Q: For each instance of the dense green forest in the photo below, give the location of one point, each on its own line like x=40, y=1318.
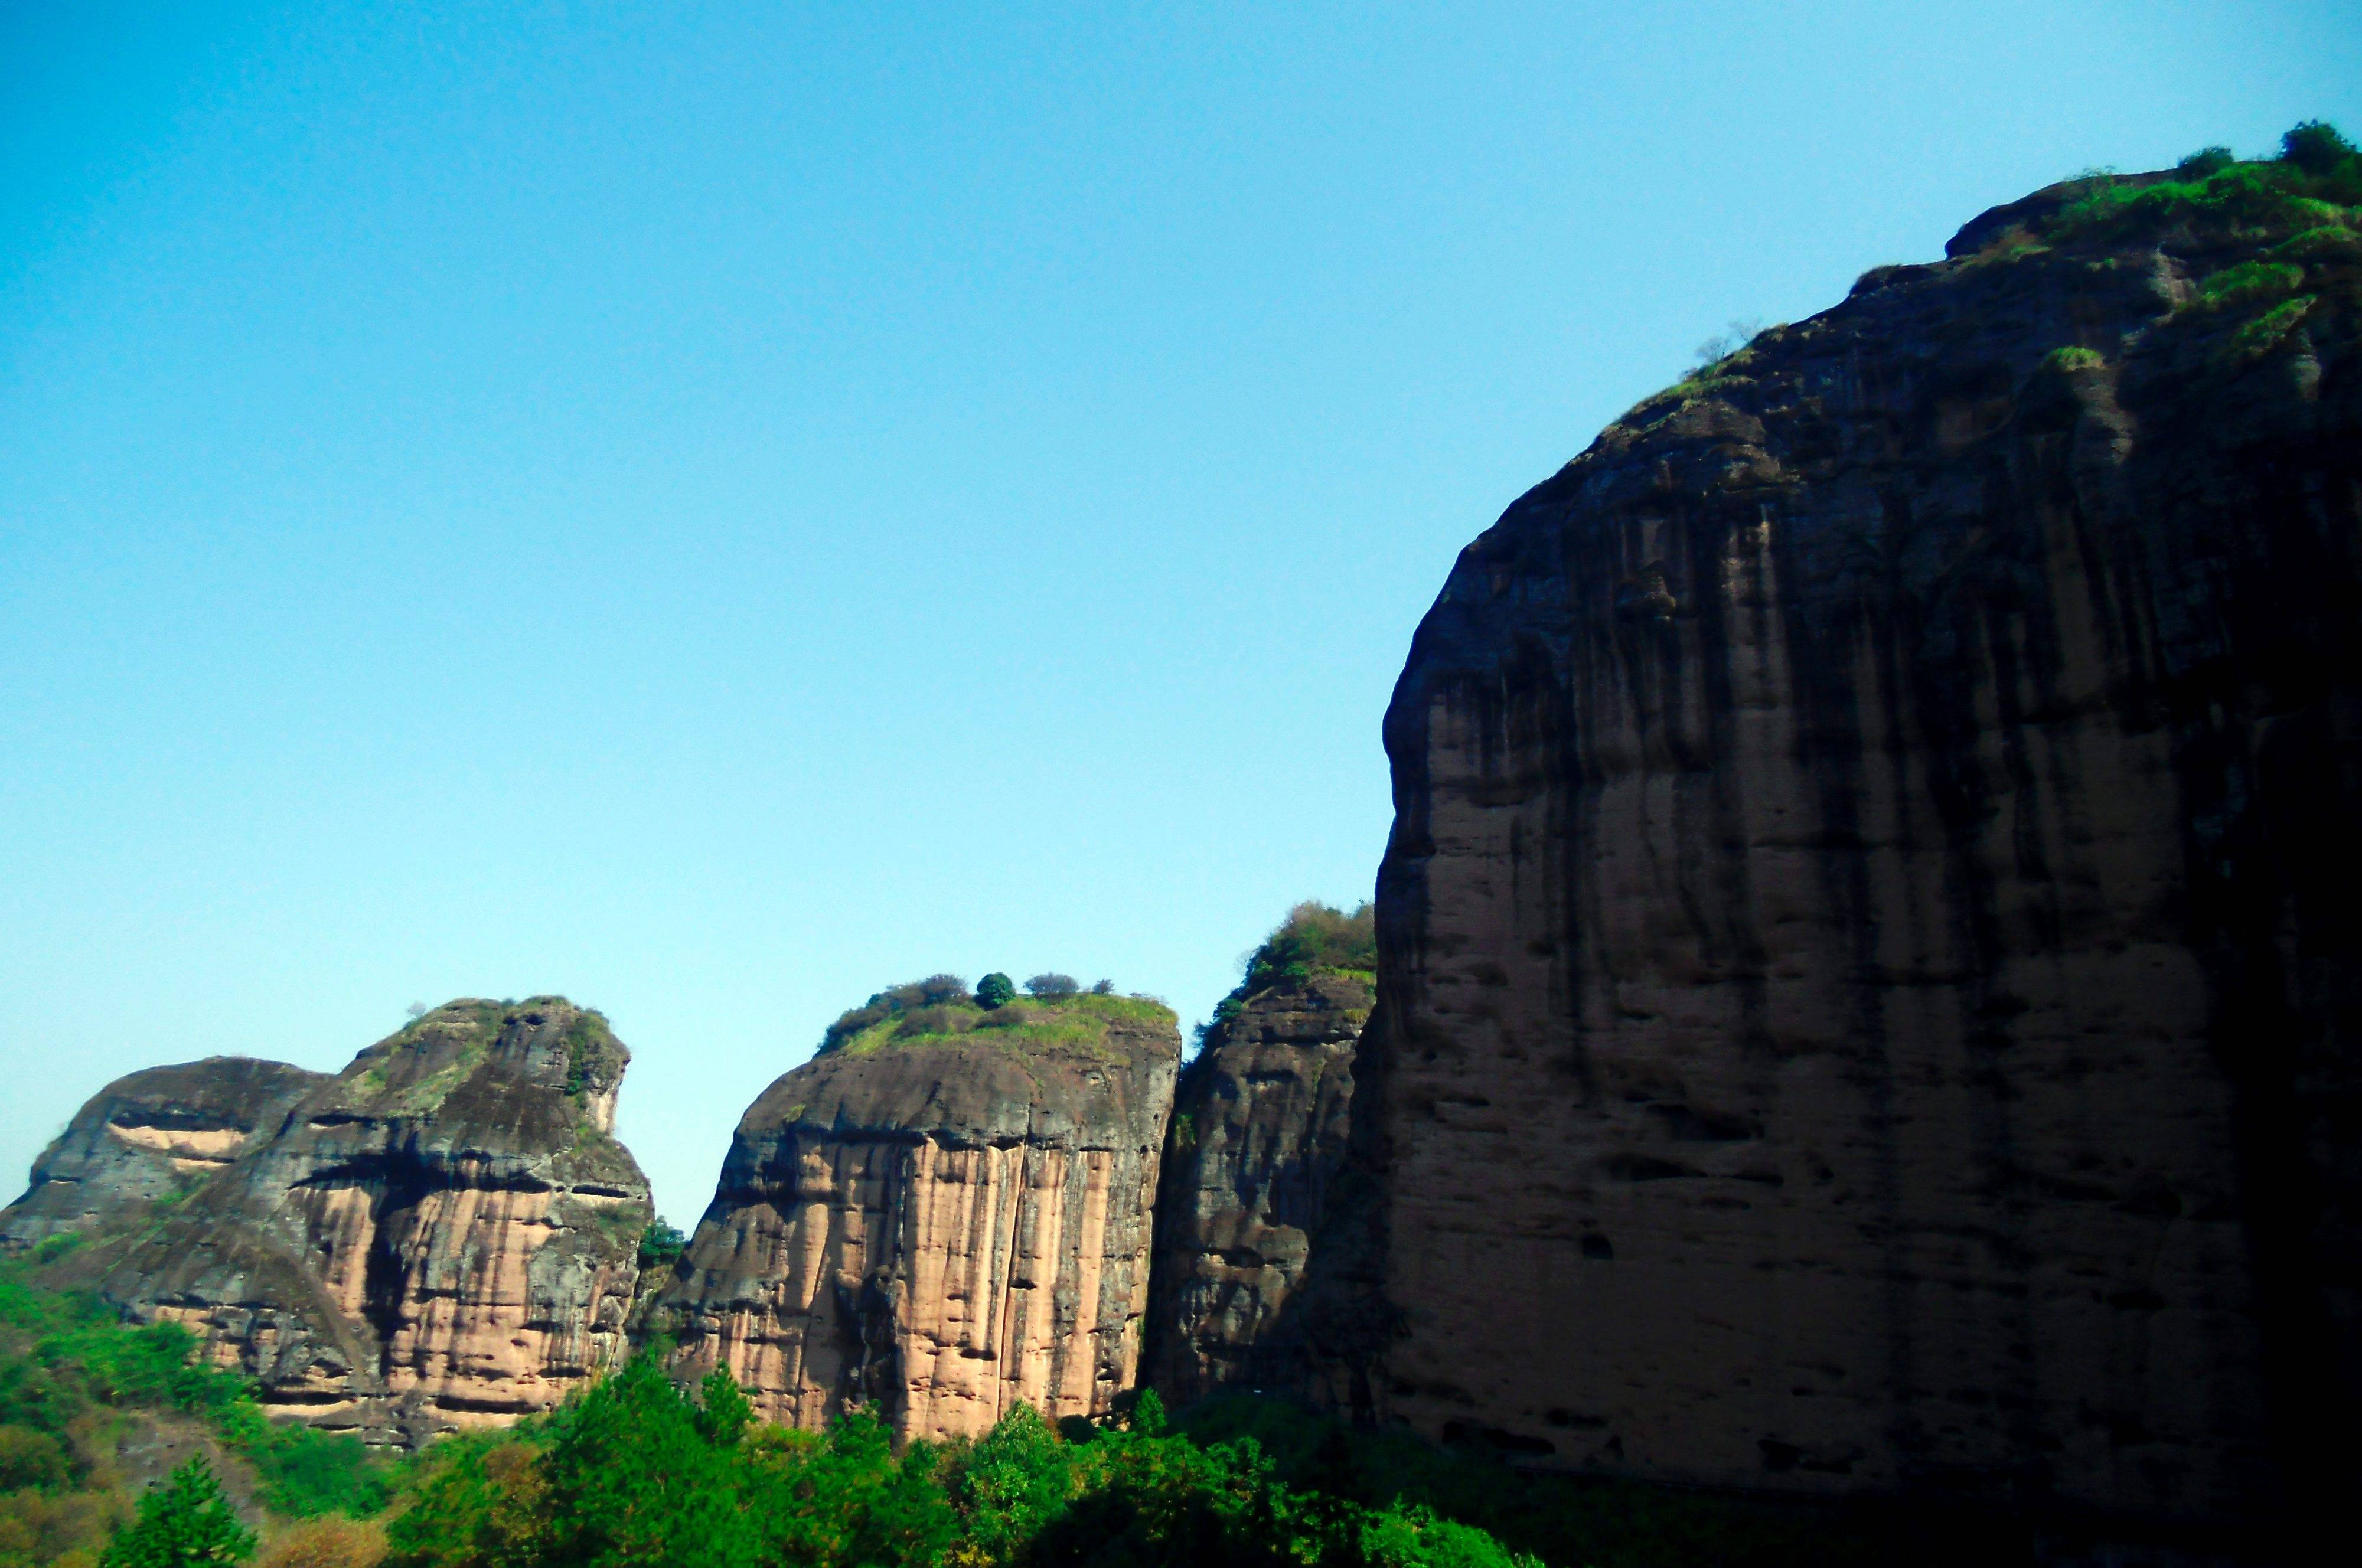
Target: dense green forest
x=119, y=1450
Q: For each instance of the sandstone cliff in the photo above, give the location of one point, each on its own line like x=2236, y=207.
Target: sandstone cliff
x=943, y=1215
x=1868, y=942
x=1258, y=1128
x=445, y=1234
x=150, y=1135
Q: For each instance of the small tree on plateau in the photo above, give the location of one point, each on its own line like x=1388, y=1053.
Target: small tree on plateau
x=2315, y=147
x=184, y=1523
x=1052, y=984
x=995, y=990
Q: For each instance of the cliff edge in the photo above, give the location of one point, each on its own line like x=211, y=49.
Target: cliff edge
x=147, y=1137
x=1258, y=1129
x=1868, y=943
x=444, y=1235
x=942, y=1216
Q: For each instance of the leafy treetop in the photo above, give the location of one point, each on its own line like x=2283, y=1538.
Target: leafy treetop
x=184, y=1523
x=1315, y=938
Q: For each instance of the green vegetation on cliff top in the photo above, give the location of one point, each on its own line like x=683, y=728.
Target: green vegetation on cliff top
x=2316, y=179
x=2298, y=211
x=939, y=1010
x=633, y=1471
x=1315, y=939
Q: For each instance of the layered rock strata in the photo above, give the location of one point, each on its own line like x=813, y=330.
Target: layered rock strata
x=147, y=1137
x=1259, y=1126
x=939, y=1221
x=444, y=1235
x=1870, y=961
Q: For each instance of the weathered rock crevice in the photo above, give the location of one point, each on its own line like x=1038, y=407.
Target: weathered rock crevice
x=1258, y=1129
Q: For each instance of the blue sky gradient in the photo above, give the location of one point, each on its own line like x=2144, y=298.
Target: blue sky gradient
x=714, y=510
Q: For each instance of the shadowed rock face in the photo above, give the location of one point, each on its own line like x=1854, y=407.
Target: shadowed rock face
x=445, y=1234
x=1259, y=1125
x=939, y=1228
x=148, y=1135
x=1870, y=959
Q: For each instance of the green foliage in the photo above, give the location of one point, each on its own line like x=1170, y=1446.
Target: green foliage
x=1315, y=937
x=894, y=1001
x=994, y=990
x=661, y=1244
x=304, y=1473
x=32, y=1458
x=2265, y=333
x=901, y=1016
x=2073, y=357
x=2319, y=243
x=594, y=1059
x=49, y=1249
x=2250, y=280
x=632, y=1480
x=185, y=1523
x=478, y=1501
x=74, y=1380
x=637, y=1472
x=723, y=1410
x=1053, y=984
x=2315, y=147
x=2317, y=176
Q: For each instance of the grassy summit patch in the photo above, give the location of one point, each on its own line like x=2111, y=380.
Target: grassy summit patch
x=2298, y=216
x=1315, y=939
x=939, y=1010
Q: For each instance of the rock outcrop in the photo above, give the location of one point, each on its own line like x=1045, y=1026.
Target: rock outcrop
x=445, y=1234
x=147, y=1137
x=1258, y=1129
x=1869, y=956
x=943, y=1216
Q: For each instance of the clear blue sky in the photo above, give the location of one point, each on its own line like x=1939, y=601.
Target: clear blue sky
x=712, y=513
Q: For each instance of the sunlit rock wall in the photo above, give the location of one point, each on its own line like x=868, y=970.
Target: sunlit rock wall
x=937, y=1231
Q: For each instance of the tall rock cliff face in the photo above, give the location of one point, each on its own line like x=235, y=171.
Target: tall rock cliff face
x=148, y=1136
x=943, y=1216
x=445, y=1234
x=1259, y=1127
x=1871, y=964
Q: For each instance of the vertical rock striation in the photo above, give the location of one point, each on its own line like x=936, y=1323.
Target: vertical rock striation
x=1259, y=1127
x=1870, y=957
x=943, y=1216
x=150, y=1135
x=445, y=1234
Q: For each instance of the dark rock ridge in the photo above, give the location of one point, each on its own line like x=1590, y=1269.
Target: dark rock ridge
x=943, y=1216
x=1869, y=959
x=150, y=1135
x=445, y=1234
x=1259, y=1126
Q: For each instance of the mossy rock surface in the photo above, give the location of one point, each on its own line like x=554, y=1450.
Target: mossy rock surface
x=1064, y=1069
